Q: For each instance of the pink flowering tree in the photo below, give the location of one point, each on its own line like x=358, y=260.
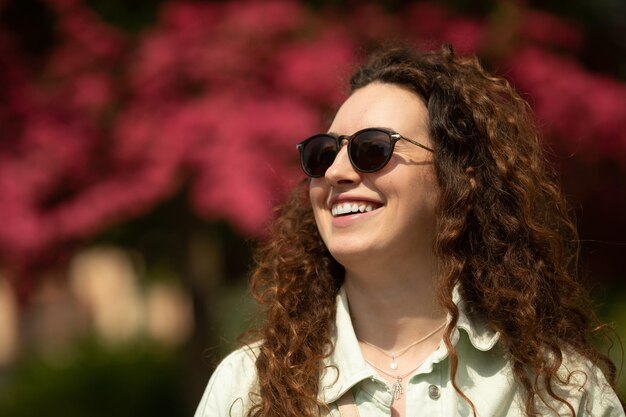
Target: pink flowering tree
x=213, y=96
x=100, y=126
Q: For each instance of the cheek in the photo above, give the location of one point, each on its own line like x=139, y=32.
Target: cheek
x=317, y=192
x=414, y=194
x=317, y=196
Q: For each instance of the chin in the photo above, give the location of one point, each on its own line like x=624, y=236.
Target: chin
x=348, y=255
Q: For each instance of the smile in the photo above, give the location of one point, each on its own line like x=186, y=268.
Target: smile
x=351, y=207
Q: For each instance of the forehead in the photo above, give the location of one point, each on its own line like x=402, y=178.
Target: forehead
x=382, y=105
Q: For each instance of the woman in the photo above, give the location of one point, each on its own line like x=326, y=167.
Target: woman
x=428, y=268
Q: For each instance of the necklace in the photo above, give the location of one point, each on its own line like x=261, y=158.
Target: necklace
x=393, y=355
x=397, y=385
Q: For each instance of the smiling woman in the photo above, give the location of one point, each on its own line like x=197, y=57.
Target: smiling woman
x=428, y=267
x=402, y=192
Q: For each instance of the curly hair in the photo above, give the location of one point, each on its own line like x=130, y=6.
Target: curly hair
x=505, y=238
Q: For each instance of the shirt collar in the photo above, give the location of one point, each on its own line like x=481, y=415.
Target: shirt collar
x=480, y=333
x=346, y=366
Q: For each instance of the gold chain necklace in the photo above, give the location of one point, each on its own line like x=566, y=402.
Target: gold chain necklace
x=397, y=385
x=394, y=365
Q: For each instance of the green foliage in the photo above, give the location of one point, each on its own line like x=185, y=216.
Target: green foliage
x=94, y=382
x=612, y=302
x=237, y=312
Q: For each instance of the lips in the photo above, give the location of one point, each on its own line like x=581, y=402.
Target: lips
x=351, y=207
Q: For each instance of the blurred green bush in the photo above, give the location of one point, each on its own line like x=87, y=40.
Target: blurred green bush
x=138, y=380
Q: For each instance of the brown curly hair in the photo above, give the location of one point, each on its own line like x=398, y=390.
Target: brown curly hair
x=505, y=237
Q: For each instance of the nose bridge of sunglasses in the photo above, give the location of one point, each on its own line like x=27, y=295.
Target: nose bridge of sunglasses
x=341, y=159
x=342, y=141
x=342, y=150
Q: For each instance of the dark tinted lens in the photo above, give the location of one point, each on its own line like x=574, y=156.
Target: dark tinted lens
x=318, y=154
x=370, y=150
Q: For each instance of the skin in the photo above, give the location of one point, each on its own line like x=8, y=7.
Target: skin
x=387, y=253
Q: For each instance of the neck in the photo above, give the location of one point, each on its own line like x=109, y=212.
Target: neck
x=391, y=308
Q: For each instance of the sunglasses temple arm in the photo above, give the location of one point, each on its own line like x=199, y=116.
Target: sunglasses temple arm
x=419, y=144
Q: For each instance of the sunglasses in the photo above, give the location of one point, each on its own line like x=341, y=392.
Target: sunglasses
x=369, y=150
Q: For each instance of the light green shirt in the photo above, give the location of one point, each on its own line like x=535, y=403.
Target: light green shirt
x=483, y=374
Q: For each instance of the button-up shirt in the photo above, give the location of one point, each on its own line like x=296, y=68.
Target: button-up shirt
x=484, y=375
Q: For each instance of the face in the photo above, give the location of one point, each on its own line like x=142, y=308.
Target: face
x=401, y=196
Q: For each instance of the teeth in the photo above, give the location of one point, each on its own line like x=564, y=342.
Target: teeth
x=344, y=208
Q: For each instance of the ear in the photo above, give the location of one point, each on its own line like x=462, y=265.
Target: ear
x=471, y=175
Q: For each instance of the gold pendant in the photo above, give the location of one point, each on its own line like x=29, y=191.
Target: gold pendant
x=397, y=389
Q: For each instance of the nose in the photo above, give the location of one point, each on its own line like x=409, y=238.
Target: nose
x=341, y=171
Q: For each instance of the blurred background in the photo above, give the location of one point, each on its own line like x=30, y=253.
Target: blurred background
x=143, y=145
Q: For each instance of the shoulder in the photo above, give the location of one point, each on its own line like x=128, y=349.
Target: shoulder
x=488, y=379
x=232, y=388
x=589, y=389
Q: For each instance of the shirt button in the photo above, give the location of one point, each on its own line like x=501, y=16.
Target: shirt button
x=434, y=392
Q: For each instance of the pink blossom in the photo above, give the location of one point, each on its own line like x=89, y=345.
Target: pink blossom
x=465, y=34
x=214, y=97
x=186, y=16
x=587, y=112
x=261, y=19
x=310, y=68
x=240, y=163
x=91, y=91
x=372, y=23
x=81, y=25
x=547, y=29
x=427, y=19
x=434, y=23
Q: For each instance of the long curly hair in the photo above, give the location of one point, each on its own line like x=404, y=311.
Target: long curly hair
x=505, y=238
